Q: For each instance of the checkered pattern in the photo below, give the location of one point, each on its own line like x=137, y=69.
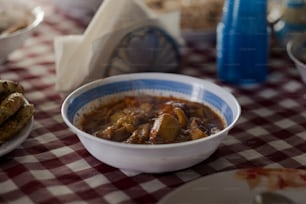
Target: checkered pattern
x=52, y=166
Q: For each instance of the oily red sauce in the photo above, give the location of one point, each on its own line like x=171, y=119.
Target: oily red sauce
x=273, y=179
x=152, y=120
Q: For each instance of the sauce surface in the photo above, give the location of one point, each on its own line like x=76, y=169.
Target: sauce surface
x=152, y=120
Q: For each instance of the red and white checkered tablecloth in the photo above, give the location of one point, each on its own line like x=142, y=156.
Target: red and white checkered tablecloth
x=52, y=166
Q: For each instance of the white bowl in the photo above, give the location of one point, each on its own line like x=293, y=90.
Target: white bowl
x=150, y=158
x=296, y=49
x=14, y=40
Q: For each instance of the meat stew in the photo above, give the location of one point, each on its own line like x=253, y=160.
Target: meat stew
x=152, y=120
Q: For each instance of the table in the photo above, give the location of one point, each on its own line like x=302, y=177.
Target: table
x=52, y=166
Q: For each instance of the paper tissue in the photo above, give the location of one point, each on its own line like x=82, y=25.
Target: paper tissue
x=123, y=37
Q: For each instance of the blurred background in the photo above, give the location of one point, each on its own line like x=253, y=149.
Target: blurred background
x=199, y=18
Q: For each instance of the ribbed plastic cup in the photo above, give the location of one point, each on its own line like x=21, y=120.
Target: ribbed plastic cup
x=243, y=42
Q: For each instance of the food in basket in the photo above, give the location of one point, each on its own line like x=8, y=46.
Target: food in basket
x=198, y=15
x=13, y=18
x=15, y=110
x=152, y=120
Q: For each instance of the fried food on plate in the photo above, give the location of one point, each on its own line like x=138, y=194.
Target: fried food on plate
x=7, y=87
x=10, y=105
x=15, y=110
x=15, y=123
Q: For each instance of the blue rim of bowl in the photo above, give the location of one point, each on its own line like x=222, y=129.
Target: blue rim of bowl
x=146, y=84
x=99, y=88
x=291, y=46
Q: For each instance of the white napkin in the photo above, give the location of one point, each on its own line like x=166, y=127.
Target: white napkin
x=82, y=58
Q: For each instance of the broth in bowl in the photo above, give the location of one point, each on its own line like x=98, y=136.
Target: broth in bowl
x=152, y=120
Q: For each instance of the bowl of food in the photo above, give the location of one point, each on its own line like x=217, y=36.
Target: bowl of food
x=150, y=122
x=17, y=21
x=296, y=49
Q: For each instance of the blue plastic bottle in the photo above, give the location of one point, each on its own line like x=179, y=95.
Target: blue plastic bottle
x=243, y=42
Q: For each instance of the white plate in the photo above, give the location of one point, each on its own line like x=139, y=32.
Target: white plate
x=241, y=186
x=16, y=140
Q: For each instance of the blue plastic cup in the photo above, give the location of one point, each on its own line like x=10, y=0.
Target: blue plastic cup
x=243, y=42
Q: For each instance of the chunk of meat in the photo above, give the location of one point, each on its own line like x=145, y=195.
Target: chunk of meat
x=113, y=133
x=140, y=135
x=195, y=129
x=165, y=129
x=181, y=116
x=197, y=133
